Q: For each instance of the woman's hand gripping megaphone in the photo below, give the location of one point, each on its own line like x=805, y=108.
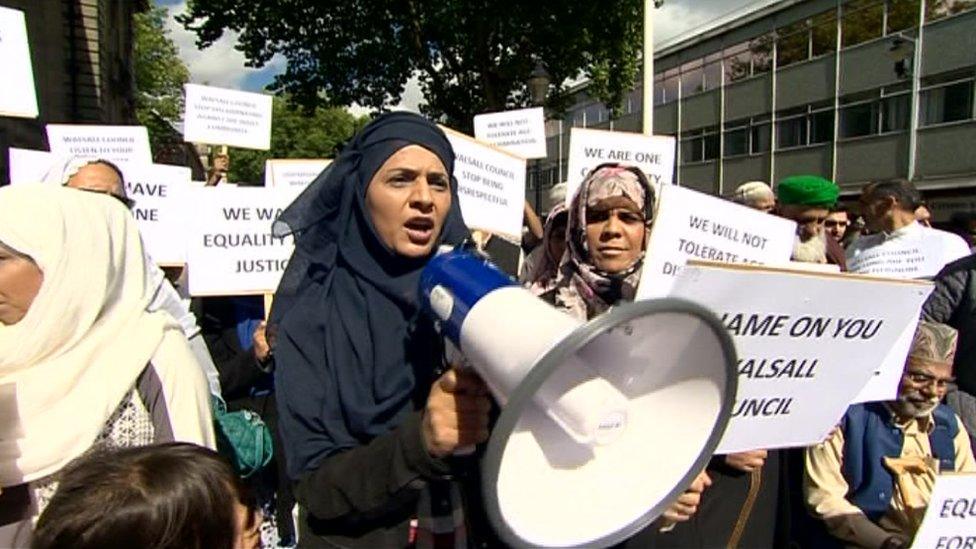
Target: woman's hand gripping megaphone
x=456, y=414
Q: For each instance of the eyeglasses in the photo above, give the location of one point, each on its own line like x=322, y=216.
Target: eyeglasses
x=922, y=378
x=836, y=223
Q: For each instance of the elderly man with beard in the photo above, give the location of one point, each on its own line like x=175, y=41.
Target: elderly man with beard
x=807, y=200
x=871, y=480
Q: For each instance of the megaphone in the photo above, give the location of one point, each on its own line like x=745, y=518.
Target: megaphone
x=604, y=423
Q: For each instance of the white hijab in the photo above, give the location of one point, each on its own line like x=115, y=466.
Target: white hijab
x=67, y=364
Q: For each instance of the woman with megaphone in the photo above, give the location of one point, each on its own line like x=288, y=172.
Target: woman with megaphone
x=369, y=417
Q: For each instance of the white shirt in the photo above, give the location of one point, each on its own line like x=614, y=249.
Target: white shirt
x=912, y=251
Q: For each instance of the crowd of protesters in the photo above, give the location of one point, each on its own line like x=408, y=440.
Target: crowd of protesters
x=116, y=388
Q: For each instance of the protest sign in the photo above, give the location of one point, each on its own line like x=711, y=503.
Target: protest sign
x=521, y=132
x=491, y=185
x=17, y=95
x=807, y=344
x=653, y=154
x=30, y=166
x=950, y=520
x=118, y=144
x=694, y=225
x=220, y=116
x=230, y=248
x=160, y=210
x=292, y=172
x=917, y=255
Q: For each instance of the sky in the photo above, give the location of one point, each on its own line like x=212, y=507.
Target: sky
x=221, y=65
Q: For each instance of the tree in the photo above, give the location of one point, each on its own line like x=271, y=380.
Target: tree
x=159, y=75
x=470, y=56
x=315, y=133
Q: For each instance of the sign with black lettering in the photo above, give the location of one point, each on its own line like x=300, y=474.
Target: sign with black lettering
x=521, y=132
x=491, y=185
x=118, y=144
x=227, y=117
x=30, y=166
x=160, y=209
x=230, y=249
x=950, y=520
x=653, y=154
x=692, y=225
x=17, y=95
x=806, y=343
x=293, y=172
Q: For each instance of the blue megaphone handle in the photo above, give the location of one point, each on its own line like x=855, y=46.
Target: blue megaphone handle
x=452, y=283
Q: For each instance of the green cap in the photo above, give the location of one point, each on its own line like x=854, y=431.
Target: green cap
x=807, y=190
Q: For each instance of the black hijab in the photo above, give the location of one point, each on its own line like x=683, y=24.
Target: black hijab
x=353, y=356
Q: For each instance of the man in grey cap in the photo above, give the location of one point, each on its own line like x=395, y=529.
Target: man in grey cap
x=756, y=195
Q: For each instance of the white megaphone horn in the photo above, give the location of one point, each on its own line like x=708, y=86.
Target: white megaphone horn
x=603, y=424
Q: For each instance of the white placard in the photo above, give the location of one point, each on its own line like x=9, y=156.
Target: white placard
x=950, y=520
x=693, y=225
x=491, y=185
x=230, y=249
x=653, y=154
x=118, y=144
x=915, y=255
x=807, y=344
x=521, y=132
x=160, y=209
x=219, y=116
x=17, y=94
x=30, y=166
x=293, y=172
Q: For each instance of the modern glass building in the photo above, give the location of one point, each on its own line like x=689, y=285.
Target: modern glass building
x=854, y=90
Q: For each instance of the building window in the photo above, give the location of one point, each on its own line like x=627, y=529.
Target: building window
x=804, y=126
x=937, y=9
x=762, y=53
x=947, y=103
x=793, y=44
x=791, y=132
x=860, y=119
x=712, y=71
x=700, y=146
x=823, y=35
x=747, y=137
x=863, y=20
x=895, y=112
x=691, y=78
x=666, y=86
x=737, y=141
x=902, y=15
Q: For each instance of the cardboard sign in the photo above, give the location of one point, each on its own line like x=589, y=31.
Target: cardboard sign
x=117, y=144
x=521, y=132
x=30, y=166
x=807, y=344
x=230, y=248
x=951, y=514
x=220, y=116
x=158, y=191
x=292, y=172
x=693, y=225
x=653, y=154
x=17, y=95
x=917, y=255
x=491, y=185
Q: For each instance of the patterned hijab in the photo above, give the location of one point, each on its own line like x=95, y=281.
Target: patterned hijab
x=583, y=288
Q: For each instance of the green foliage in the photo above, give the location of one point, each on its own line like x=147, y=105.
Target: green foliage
x=296, y=133
x=470, y=56
x=159, y=74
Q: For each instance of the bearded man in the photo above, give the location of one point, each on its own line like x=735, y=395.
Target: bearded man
x=807, y=200
x=871, y=480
